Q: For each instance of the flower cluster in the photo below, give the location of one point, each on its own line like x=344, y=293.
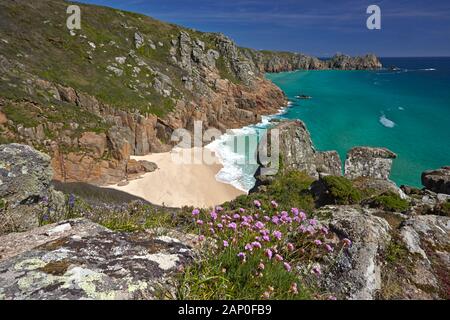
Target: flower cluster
x=285, y=241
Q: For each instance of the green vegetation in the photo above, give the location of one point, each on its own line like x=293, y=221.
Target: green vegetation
x=399, y=267
x=2, y=204
x=341, y=190
x=390, y=201
x=444, y=209
x=289, y=188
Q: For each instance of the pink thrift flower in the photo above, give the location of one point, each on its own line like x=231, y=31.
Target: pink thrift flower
x=277, y=235
x=195, y=212
x=317, y=270
x=275, y=220
x=268, y=253
x=241, y=256
x=256, y=244
x=303, y=216
x=287, y=266
x=278, y=257
x=347, y=242
x=259, y=225
x=232, y=225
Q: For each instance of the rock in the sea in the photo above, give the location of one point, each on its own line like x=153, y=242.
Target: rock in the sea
x=78, y=259
x=437, y=180
x=356, y=273
x=25, y=177
x=369, y=162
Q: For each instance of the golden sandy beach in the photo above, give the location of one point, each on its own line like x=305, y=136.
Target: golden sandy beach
x=176, y=184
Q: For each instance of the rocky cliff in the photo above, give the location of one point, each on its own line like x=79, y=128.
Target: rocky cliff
x=124, y=82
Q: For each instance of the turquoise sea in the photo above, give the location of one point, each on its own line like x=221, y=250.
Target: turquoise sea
x=406, y=109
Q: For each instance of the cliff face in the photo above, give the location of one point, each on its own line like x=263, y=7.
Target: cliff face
x=124, y=82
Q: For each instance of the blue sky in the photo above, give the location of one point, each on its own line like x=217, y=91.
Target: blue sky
x=318, y=27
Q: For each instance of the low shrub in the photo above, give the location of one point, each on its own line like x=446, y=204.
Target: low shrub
x=389, y=201
x=340, y=190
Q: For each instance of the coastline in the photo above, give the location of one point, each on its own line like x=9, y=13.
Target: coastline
x=232, y=173
x=177, y=184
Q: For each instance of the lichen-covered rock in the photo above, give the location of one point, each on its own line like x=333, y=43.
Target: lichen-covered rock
x=369, y=162
x=82, y=260
x=437, y=180
x=25, y=177
x=427, y=239
x=356, y=272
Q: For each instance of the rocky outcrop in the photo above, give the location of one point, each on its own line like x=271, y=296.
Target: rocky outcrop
x=427, y=238
x=356, y=274
x=269, y=61
x=369, y=162
x=25, y=190
x=78, y=259
x=437, y=180
x=297, y=152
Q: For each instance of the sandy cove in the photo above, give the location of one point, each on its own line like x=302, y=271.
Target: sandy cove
x=182, y=183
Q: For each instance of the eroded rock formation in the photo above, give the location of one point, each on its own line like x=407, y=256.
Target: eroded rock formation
x=369, y=162
x=26, y=194
x=437, y=180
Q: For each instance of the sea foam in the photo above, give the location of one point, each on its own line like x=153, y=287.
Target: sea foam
x=232, y=162
x=386, y=122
